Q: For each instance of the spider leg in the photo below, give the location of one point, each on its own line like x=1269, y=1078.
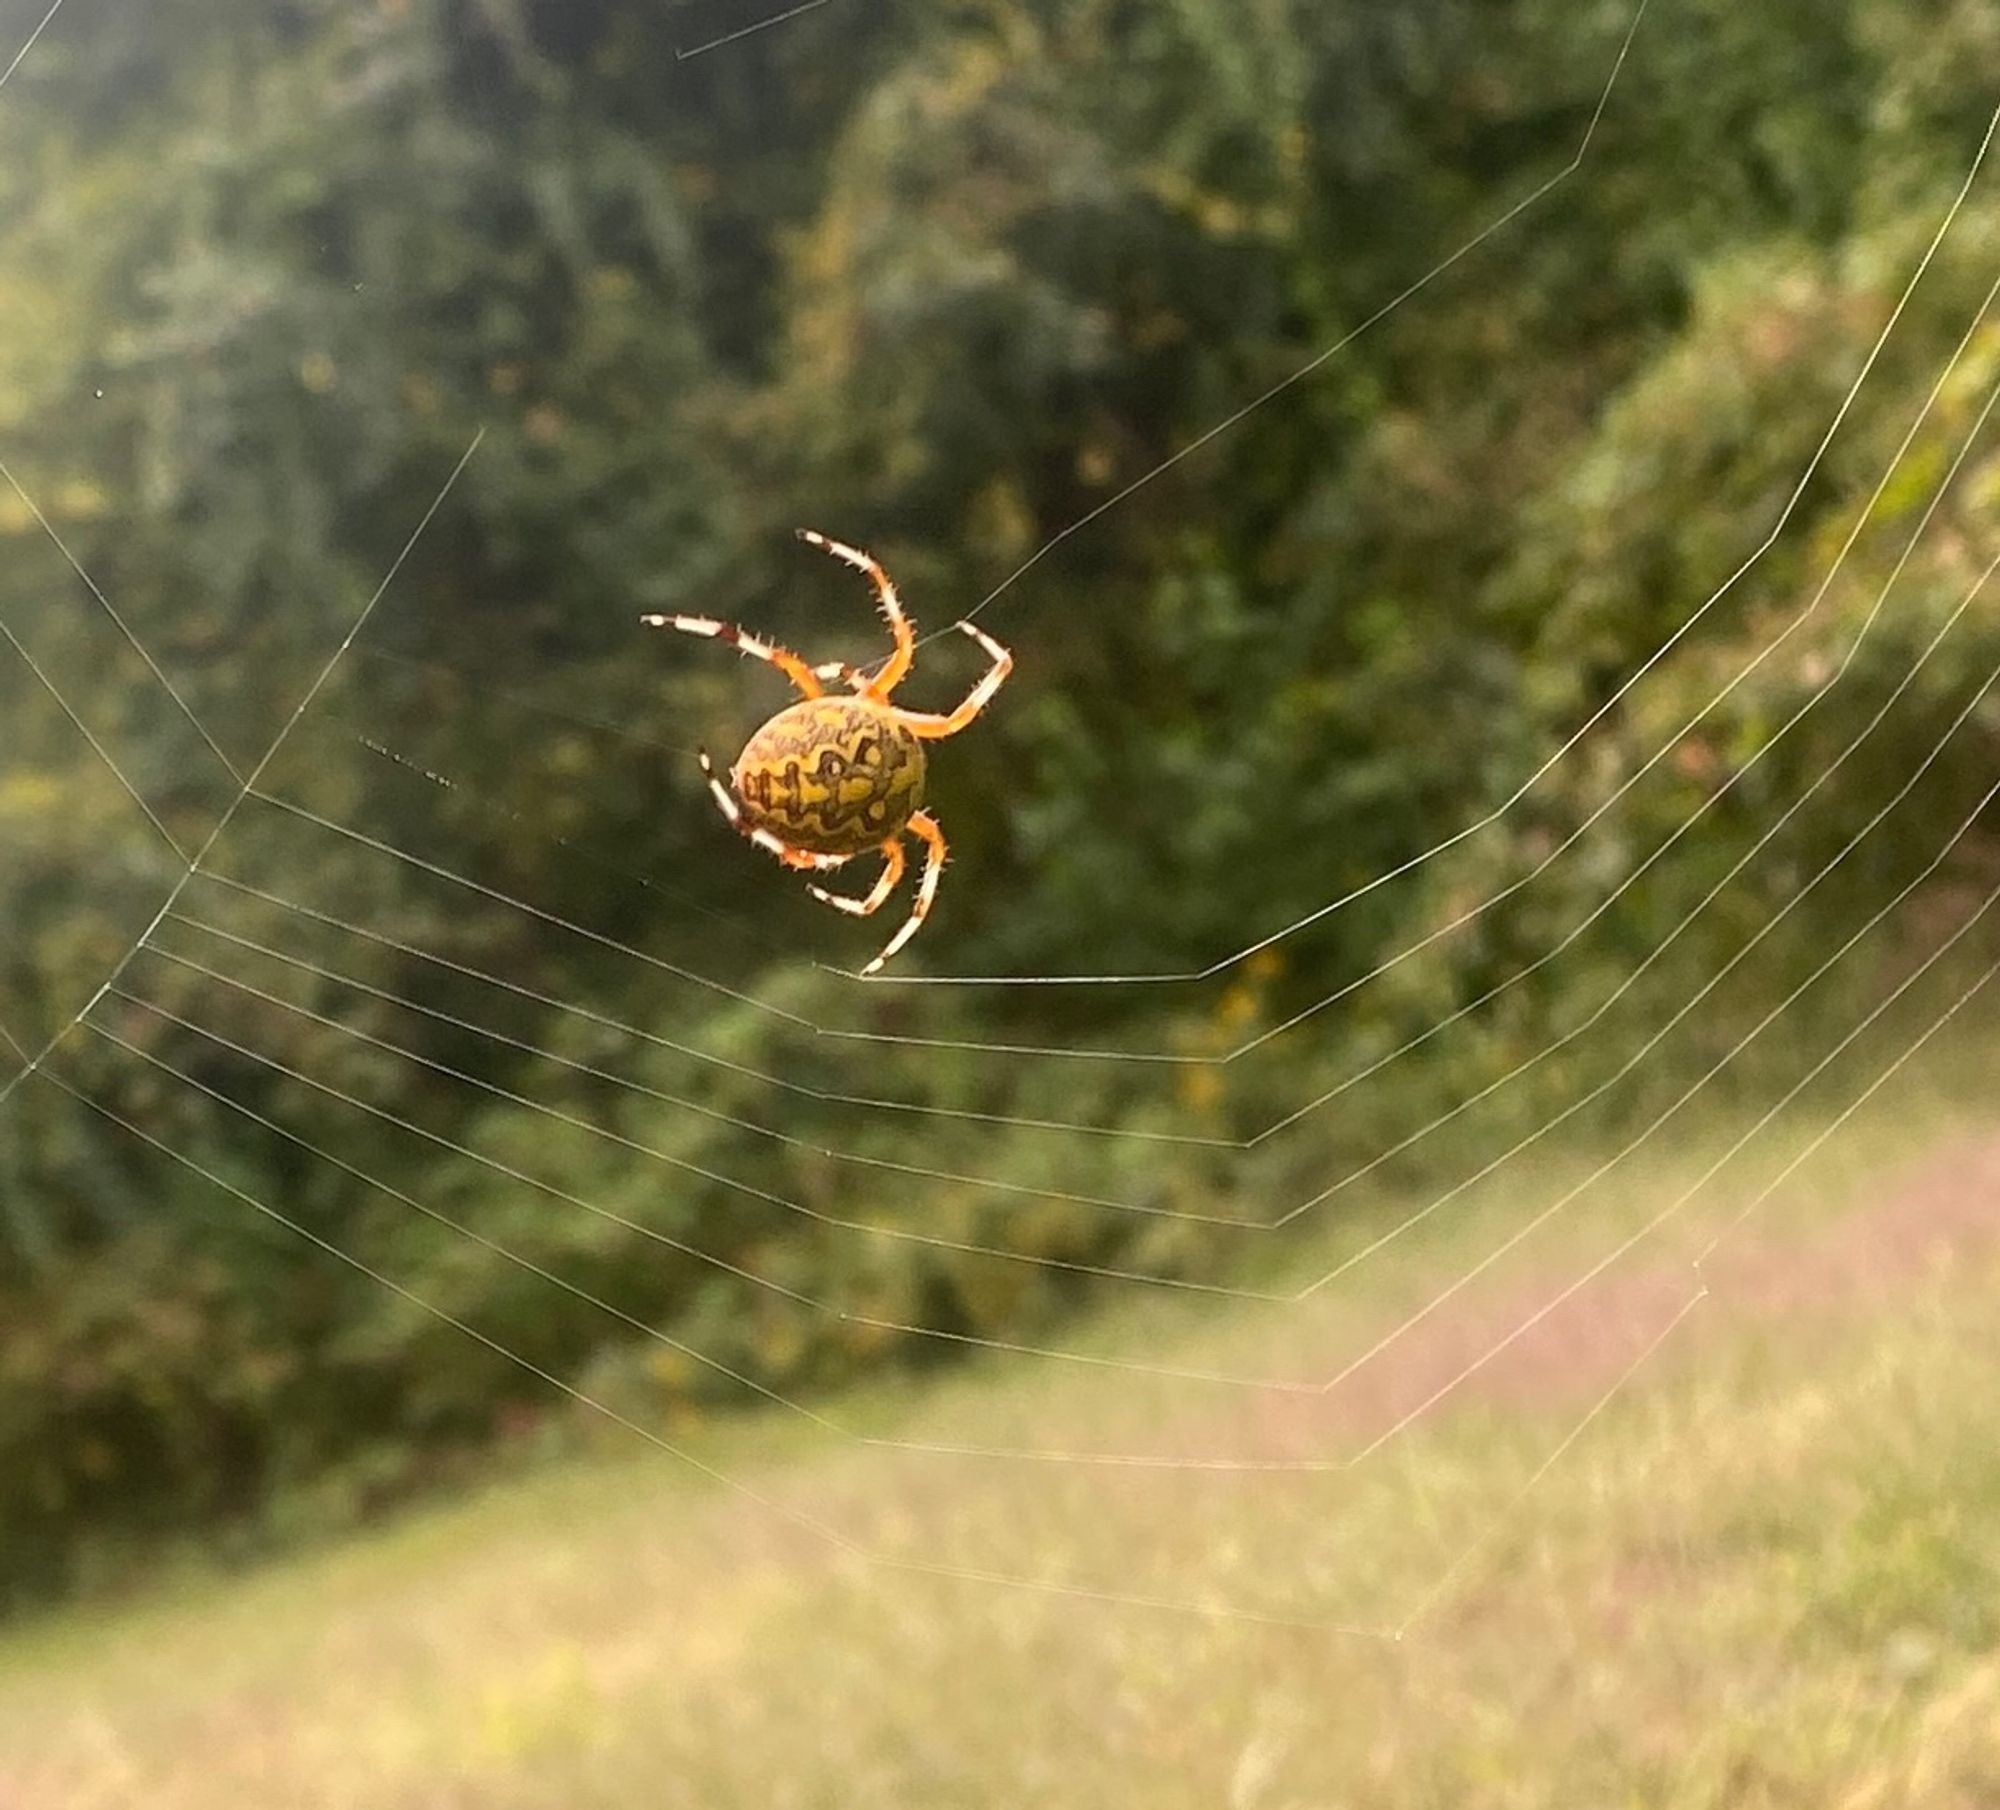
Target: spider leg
x=787, y=662
x=732, y=812
x=891, y=674
x=922, y=723
x=926, y=826
x=892, y=873
x=854, y=676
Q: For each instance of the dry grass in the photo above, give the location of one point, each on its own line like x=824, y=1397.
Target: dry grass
x=1765, y=1575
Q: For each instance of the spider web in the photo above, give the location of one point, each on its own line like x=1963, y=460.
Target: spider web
x=1347, y=1334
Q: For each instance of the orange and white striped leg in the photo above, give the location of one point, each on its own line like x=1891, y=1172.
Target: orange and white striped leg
x=732, y=812
x=787, y=662
x=857, y=677
x=925, y=825
x=892, y=873
x=891, y=674
x=922, y=723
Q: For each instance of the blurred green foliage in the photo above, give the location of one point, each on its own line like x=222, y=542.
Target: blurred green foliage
x=944, y=279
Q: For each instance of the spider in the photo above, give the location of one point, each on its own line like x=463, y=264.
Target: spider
x=832, y=777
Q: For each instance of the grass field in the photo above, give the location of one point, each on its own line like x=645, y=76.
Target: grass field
x=1736, y=1548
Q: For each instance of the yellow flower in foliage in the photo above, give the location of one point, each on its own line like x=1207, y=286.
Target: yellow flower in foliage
x=780, y=1345
x=79, y=500
x=1238, y=1007
x=420, y=394
x=1909, y=485
x=26, y=794
x=1201, y=1088
x=672, y=1370
x=1983, y=489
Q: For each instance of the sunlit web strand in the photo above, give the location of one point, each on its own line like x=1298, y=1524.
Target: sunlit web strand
x=823, y=1422
x=679, y=897
x=1230, y=1143
x=1182, y=1060
x=659, y=1443
x=658, y=963
x=101, y=595
x=1563, y=1202
x=997, y=1579
x=1444, y=1117
x=454, y=675
x=1845, y=1043
x=810, y=1524
x=406, y=1294
x=507, y=1172
x=1529, y=1062
x=796, y=1089
x=248, y=786
x=1735, y=777
x=634, y=1146
x=1396, y=1334
x=1689, y=918
x=1676, y=1207
x=1654, y=1041
x=1396, y=1232
x=1506, y=806
x=1426, y=1600
x=1645, y=1136
x=20, y=56
x=96, y=747
x=1756, y=661
x=526, y=1046
x=1879, y=815
x=772, y=1396
x=1403, y=1328
x=1812, y=1149
x=124, y=628
x=1429, y=1602
x=1599, y=1011
x=1200, y=1607
x=733, y=37
x=471, y=1233
x=1333, y=351
x=1739, y=771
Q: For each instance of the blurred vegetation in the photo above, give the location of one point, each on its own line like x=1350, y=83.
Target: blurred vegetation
x=944, y=279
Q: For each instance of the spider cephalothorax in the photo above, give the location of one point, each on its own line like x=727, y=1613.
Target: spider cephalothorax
x=835, y=776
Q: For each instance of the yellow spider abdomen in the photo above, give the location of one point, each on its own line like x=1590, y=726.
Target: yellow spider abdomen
x=831, y=775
